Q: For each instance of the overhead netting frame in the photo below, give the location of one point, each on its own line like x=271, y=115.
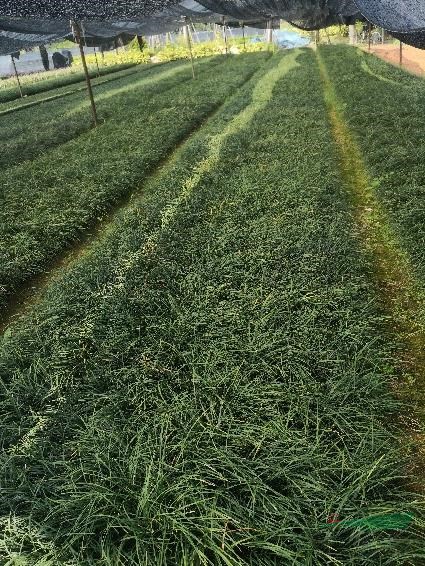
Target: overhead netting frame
x=27, y=23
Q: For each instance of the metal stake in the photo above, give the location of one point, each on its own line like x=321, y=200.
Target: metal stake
x=77, y=33
x=17, y=76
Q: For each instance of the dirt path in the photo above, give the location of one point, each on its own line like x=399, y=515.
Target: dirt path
x=413, y=59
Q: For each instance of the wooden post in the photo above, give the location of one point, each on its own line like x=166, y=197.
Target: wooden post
x=328, y=37
x=97, y=62
x=77, y=33
x=195, y=33
x=189, y=46
x=243, y=36
x=225, y=36
x=353, y=34
x=44, y=57
x=269, y=35
x=401, y=54
x=17, y=76
x=369, y=34
x=140, y=43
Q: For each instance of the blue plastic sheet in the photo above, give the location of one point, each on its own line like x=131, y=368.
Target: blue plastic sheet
x=290, y=39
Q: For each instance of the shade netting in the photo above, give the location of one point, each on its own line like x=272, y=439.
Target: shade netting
x=405, y=19
x=27, y=23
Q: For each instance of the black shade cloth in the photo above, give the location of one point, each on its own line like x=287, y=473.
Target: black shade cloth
x=83, y=9
x=22, y=33
x=403, y=16
x=404, y=19
x=28, y=23
x=416, y=39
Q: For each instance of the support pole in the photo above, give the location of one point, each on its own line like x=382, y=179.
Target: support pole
x=77, y=33
x=401, y=53
x=225, y=36
x=369, y=35
x=353, y=34
x=383, y=36
x=17, y=76
x=44, y=57
x=328, y=37
x=195, y=33
x=269, y=37
x=97, y=62
x=186, y=32
x=243, y=36
x=140, y=43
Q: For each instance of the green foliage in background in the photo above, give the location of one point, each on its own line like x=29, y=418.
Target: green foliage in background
x=178, y=50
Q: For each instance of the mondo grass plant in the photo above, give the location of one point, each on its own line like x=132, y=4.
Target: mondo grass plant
x=381, y=103
x=35, y=83
x=209, y=383
x=34, y=130
x=49, y=202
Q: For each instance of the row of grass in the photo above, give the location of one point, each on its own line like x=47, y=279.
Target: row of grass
x=36, y=130
x=180, y=50
x=381, y=105
x=22, y=103
x=210, y=382
x=43, y=82
x=48, y=202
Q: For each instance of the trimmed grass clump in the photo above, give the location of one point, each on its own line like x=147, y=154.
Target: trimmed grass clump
x=210, y=382
x=48, y=202
x=43, y=82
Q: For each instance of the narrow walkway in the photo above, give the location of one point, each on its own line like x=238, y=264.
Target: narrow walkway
x=393, y=272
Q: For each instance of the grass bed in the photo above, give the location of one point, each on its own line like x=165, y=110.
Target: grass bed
x=37, y=130
x=48, y=202
x=381, y=106
x=43, y=82
x=209, y=384
x=67, y=90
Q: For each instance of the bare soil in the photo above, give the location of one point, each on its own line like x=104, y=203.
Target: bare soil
x=413, y=59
